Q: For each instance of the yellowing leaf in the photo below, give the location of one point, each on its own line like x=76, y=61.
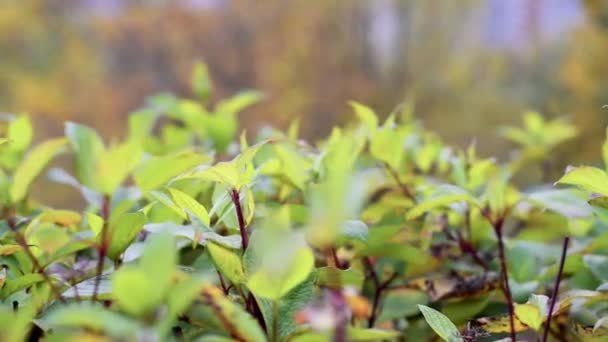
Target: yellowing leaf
x=66, y=218
x=9, y=249
x=530, y=315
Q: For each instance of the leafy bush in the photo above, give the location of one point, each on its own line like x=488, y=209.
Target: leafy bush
x=193, y=233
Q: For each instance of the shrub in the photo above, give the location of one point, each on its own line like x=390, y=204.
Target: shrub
x=193, y=233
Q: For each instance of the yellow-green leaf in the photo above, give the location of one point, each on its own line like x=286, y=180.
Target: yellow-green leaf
x=114, y=166
x=184, y=201
x=157, y=171
x=530, y=315
x=273, y=285
x=31, y=167
x=228, y=262
x=587, y=178
x=123, y=232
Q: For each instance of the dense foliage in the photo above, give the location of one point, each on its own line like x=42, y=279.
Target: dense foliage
x=379, y=232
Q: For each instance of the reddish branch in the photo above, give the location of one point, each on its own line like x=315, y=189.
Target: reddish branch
x=498, y=225
x=103, y=244
x=234, y=195
x=558, y=279
x=252, y=305
x=380, y=287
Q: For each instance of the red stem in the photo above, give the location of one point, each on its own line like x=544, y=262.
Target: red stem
x=380, y=288
x=222, y=283
x=562, y=261
x=505, y=275
x=234, y=194
x=103, y=245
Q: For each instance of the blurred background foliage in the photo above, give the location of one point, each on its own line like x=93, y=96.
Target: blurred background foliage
x=470, y=66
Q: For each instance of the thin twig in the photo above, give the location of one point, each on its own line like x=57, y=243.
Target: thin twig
x=103, y=244
x=26, y=248
x=498, y=224
x=404, y=189
x=222, y=283
x=558, y=279
x=379, y=290
x=466, y=247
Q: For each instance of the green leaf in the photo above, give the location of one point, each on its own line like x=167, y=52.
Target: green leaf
x=401, y=303
x=227, y=262
x=134, y=292
x=387, y=146
x=114, y=166
x=17, y=284
x=31, y=167
x=354, y=230
x=235, y=320
x=362, y=334
x=273, y=285
x=238, y=102
x=123, y=232
x=88, y=146
x=157, y=171
x=234, y=174
x=92, y=317
x=184, y=201
x=159, y=260
x=201, y=84
x=95, y=223
x=337, y=278
x=141, y=124
x=289, y=305
x=587, y=178
x=367, y=116
x=443, y=196
x=440, y=324
x=20, y=133
x=598, y=265
x=563, y=201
